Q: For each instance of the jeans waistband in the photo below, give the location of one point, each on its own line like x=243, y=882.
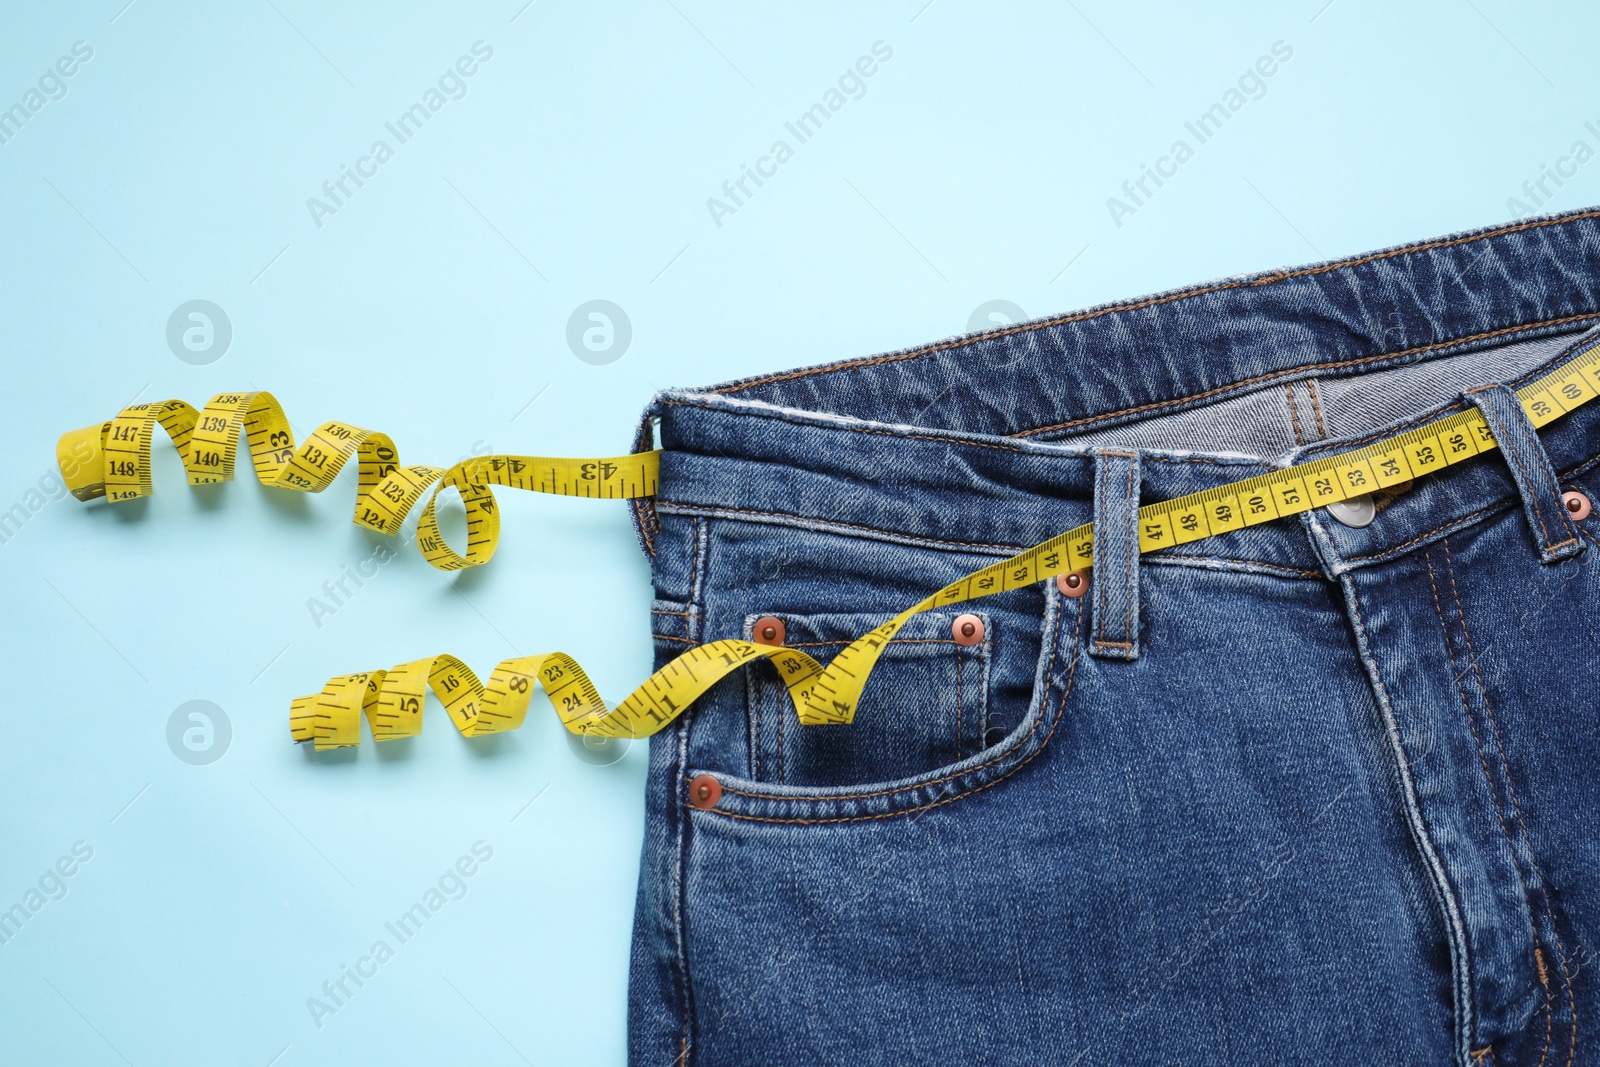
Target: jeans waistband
x=962, y=444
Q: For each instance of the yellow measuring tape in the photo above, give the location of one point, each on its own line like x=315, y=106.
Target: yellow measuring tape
x=113, y=460
x=392, y=699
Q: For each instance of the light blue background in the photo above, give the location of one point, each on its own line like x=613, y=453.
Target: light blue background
x=434, y=305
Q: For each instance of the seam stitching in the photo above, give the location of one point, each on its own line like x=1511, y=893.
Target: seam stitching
x=1497, y=423
x=1316, y=406
x=1516, y=805
x=1422, y=833
x=1136, y=305
x=1100, y=586
x=1066, y=691
x=898, y=537
x=1453, y=523
x=958, y=704
x=697, y=564
x=984, y=682
x=1130, y=588
x=849, y=526
x=947, y=439
x=681, y=953
x=1494, y=799
x=753, y=697
x=1533, y=501
x=1055, y=640
x=1274, y=375
x=1398, y=428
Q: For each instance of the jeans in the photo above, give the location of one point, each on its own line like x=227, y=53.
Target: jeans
x=1318, y=791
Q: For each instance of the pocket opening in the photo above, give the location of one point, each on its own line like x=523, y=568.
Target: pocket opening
x=931, y=702
x=1051, y=674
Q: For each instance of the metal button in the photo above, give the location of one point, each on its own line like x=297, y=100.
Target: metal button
x=1357, y=512
x=768, y=631
x=967, y=629
x=1073, y=585
x=705, y=791
x=1577, y=505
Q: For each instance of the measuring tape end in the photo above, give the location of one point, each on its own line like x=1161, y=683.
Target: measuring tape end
x=81, y=462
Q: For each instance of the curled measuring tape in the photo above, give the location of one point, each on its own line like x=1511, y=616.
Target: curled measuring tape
x=392, y=700
x=112, y=460
x=831, y=694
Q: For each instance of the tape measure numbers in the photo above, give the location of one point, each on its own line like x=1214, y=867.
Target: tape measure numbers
x=113, y=460
x=392, y=700
x=1263, y=498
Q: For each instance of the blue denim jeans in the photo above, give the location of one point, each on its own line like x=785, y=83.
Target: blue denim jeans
x=1319, y=791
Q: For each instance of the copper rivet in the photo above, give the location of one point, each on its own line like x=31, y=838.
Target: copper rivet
x=705, y=791
x=967, y=629
x=1578, y=505
x=1074, y=585
x=768, y=631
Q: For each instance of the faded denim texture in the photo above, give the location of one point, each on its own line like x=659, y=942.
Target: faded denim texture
x=1306, y=792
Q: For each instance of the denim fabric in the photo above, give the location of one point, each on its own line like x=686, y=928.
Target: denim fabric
x=1518, y=439
x=1330, y=797
x=1116, y=555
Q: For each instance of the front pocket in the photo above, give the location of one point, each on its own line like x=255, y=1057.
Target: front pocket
x=1033, y=663
x=925, y=706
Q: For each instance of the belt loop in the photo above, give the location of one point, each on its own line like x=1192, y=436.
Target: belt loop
x=1115, y=633
x=1530, y=468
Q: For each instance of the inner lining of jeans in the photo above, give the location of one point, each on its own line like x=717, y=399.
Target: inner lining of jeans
x=1276, y=418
